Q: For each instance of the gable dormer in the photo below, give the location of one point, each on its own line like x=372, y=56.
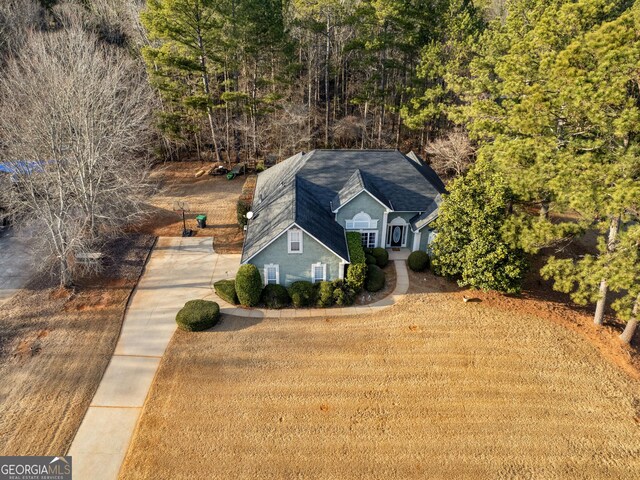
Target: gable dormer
x=358, y=183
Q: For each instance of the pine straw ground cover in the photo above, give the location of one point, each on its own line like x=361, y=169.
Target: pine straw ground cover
x=54, y=348
x=432, y=388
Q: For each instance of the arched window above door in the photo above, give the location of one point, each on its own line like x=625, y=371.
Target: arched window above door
x=361, y=221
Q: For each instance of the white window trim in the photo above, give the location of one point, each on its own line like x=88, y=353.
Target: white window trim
x=375, y=232
x=362, y=218
x=266, y=276
x=313, y=272
x=417, y=236
x=292, y=230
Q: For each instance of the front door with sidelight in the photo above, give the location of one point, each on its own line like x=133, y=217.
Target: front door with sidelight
x=397, y=233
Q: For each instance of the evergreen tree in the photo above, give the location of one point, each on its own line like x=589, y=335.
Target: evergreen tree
x=600, y=174
x=184, y=62
x=470, y=244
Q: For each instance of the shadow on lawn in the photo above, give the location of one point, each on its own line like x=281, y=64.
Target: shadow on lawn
x=231, y=323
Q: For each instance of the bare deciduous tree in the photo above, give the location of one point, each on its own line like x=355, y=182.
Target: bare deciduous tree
x=74, y=121
x=17, y=17
x=452, y=154
x=115, y=21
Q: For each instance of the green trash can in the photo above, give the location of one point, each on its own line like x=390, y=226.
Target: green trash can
x=202, y=221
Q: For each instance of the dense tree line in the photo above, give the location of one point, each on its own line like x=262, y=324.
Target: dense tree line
x=552, y=99
x=248, y=79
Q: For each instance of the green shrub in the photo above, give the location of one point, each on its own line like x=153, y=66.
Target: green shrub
x=343, y=294
x=382, y=256
x=356, y=252
x=275, y=296
x=248, y=285
x=375, y=278
x=302, y=293
x=260, y=167
x=325, y=294
x=418, y=261
x=241, y=210
x=370, y=259
x=226, y=290
x=368, y=251
x=356, y=276
x=197, y=315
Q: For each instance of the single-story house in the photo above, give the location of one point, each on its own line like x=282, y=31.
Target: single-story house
x=303, y=207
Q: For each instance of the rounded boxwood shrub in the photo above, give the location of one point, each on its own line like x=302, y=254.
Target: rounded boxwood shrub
x=226, y=290
x=197, y=315
x=248, y=285
x=375, y=278
x=343, y=294
x=275, y=296
x=370, y=259
x=356, y=276
x=325, y=294
x=302, y=293
x=381, y=256
x=418, y=261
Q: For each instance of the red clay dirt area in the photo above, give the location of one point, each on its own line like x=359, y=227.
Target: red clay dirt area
x=214, y=196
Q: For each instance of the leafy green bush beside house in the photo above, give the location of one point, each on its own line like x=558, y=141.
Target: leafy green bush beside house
x=302, y=293
x=356, y=252
x=325, y=294
x=381, y=256
x=226, y=290
x=418, y=261
x=356, y=276
x=275, y=296
x=242, y=208
x=248, y=285
x=343, y=294
x=375, y=279
x=197, y=315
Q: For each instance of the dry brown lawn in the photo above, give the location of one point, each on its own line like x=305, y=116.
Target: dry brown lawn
x=54, y=348
x=432, y=388
x=215, y=197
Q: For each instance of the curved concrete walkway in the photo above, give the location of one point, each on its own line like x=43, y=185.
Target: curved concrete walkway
x=178, y=270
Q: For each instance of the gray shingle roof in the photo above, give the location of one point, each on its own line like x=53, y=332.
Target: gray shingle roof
x=301, y=190
x=318, y=221
x=358, y=182
x=426, y=217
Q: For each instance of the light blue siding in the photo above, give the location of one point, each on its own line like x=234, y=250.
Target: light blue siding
x=363, y=202
x=297, y=266
x=424, y=238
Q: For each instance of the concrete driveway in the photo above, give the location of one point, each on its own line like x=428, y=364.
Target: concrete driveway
x=16, y=266
x=179, y=269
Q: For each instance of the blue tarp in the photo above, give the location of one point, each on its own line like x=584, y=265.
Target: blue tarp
x=21, y=166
